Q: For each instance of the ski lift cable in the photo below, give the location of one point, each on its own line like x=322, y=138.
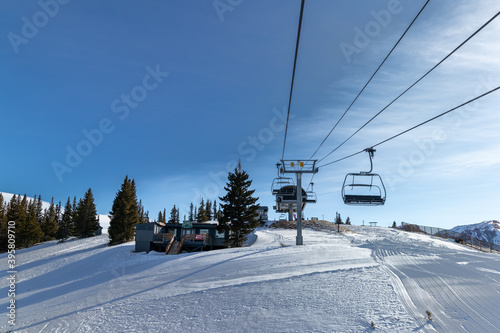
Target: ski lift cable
x=416, y=126
x=415, y=83
x=293, y=76
x=368, y=82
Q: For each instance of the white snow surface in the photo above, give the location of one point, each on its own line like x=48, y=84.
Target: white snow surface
x=333, y=283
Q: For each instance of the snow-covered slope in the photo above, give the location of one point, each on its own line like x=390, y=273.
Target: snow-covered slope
x=333, y=283
x=488, y=231
x=8, y=196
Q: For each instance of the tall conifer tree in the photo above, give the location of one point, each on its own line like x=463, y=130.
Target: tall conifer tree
x=124, y=214
x=239, y=208
x=66, y=223
x=49, y=224
x=86, y=221
x=3, y=225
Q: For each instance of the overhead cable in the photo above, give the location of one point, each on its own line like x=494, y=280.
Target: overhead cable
x=415, y=83
x=293, y=76
x=368, y=82
x=416, y=126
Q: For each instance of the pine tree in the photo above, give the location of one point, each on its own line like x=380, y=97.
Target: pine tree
x=191, y=212
x=160, y=217
x=13, y=208
x=124, y=214
x=30, y=231
x=173, y=215
x=208, y=211
x=394, y=225
x=86, y=221
x=49, y=224
x=214, y=215
x=39, y=209
x=3, y=225
x=239, y=211
x=348, y=221
x=338, y=219
x=73, y=217
x=201, y=212
x=66, y=223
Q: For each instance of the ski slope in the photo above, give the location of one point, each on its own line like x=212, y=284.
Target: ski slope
x=334, y=283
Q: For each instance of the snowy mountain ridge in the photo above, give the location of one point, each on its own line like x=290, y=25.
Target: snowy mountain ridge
x=487, y=230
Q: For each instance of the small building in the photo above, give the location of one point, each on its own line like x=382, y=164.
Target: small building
x=174, y=238
x=262, y=210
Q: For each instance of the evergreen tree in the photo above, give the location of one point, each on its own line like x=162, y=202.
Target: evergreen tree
x=214, y=215
x=338, y=219
x=22, y=229
x=201, y=212
x=239, y=211
x=191, y=212
x=13, y=208
x=164, y=215
x=348, y=221
x=39, y=209
x=177, y=216
x=160, y=217
x=73, y=218
x=49, y=224
x=64, y=230
x=86, y=221
x=394, y=225
x=195, y=217
x=30, y=230
x=3, y=225
x=124, y=214
x=173, y=216
x=208, y=211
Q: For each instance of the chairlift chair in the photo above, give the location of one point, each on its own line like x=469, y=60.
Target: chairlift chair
x=279, y=183
x=364, y=188
x=311, y=196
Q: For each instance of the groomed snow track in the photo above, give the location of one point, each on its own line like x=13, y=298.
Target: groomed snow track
x=334, y=283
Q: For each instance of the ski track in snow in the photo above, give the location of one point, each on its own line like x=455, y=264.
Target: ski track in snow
x=334, y=283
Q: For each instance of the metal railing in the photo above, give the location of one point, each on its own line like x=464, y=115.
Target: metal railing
x=461, y=238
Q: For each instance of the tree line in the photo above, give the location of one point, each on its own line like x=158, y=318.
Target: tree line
x=237, y=214
x=35, y=224
x=205, y=211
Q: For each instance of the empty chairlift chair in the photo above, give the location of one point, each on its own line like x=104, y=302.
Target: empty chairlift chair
x=279, y=183
x=364, y=188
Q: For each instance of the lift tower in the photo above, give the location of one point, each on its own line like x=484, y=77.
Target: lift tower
x=299, y=167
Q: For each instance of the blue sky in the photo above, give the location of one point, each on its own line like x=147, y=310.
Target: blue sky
x=172, y=93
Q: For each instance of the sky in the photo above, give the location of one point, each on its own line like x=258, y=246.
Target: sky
x=173, y=93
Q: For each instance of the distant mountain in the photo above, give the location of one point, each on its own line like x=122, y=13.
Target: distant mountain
x=487, y=230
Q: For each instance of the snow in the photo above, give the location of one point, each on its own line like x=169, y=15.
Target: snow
x=487, y=230
x=333, y=283
x=8, y=196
